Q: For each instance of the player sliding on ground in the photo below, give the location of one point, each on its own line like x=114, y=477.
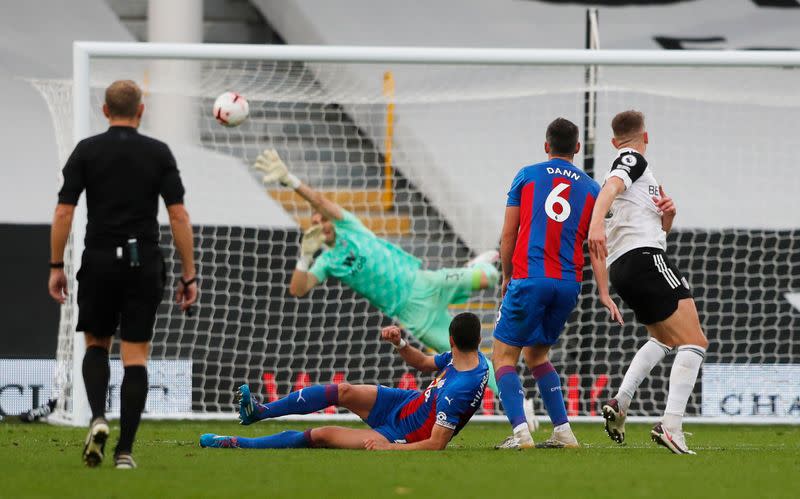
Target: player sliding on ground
x=633, y=209
x=546, y=220
x=399, y=419
x=388, y=277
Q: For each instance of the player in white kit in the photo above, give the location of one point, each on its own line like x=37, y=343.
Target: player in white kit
x=627, y=235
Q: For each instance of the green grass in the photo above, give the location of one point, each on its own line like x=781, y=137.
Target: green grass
x=732, y=461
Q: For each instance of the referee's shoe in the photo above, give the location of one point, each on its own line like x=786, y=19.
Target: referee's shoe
x=95, y=442
x=124, y=461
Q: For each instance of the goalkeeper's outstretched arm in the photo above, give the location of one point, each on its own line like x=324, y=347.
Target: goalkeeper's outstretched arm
x=302, y=279
x=275, y=170
x=412, y=356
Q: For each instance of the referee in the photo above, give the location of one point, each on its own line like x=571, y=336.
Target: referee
x=122, y=275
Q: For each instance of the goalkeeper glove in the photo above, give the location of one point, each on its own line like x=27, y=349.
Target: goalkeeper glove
x=312, y=242
x=275, y=170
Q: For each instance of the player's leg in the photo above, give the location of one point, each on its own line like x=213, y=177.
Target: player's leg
x=485, y=263
x=520, y=316
x=640, y=280
x=457, y=285
x=560, y=303
x=334, y=437
x=359, y=399
x=505, y=357
x=549, y=383
x=683, y=330
x=615, y=410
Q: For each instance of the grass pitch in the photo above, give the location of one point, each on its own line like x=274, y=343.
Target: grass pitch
x=733, y=461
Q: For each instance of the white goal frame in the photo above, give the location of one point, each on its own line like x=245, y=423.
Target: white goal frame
x=83, y=52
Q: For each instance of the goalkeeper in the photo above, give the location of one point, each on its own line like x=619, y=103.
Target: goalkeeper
x=388, y=277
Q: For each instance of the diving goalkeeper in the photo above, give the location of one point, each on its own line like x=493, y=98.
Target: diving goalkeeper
x=388, y=277
x=399, y=419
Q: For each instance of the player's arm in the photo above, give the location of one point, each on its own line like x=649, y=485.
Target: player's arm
x=412, y=356
x=508, y=241
x=275, y=170
x=613, y=187
x=302, y=281
x=304, y=277
x=440, y=437
x=601, y=279
x=666, y=206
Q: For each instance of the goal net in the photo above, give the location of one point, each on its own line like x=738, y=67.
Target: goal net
x=423, y=154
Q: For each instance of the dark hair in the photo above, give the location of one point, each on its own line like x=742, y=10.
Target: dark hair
x=562, y=135
x=123, y=98
x=627, y=123
x=465, y=329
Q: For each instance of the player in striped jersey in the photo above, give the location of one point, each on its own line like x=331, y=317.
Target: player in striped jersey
x=546, y=220
x=634, y=211
x=399, y=419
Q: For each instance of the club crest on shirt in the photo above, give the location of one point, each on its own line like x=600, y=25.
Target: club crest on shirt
x=438, y=382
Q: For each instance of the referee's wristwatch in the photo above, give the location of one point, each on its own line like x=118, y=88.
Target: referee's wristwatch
x=56, y=265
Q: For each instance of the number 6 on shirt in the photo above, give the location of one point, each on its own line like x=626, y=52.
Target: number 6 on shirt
x=554, y=199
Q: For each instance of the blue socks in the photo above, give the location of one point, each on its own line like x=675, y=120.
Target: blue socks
x=511, y=394
x=304, y=401
x=283, y=440
x=549, y=384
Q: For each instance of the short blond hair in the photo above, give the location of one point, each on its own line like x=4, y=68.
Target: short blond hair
x=123, y=98
x=627, y=123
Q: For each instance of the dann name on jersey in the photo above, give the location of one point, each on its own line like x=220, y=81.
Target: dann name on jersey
x=566, y=173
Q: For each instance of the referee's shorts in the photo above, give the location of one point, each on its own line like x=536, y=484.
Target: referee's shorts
x=112, y=293
x=648, y=283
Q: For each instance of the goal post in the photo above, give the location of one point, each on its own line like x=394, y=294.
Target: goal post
x=465, y=120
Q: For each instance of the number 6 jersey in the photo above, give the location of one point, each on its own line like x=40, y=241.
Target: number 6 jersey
x=555, y=201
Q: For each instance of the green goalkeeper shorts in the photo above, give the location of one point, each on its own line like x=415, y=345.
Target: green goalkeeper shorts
x=425, y=314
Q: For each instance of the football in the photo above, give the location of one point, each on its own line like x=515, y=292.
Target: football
x=231, y=109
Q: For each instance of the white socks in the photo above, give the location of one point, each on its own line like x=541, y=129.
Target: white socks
x=522, y=432
x=681, y=383
x=650, y=354
x=562, y=427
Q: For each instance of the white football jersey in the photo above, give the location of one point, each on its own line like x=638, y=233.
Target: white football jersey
x=634, y=221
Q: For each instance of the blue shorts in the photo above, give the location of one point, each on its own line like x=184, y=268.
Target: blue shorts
x=383, y=416
x=534, y=311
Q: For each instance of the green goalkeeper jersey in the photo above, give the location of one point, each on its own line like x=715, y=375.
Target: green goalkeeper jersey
x=376, y=269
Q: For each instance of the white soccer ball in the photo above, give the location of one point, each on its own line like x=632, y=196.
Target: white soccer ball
x=231, y=109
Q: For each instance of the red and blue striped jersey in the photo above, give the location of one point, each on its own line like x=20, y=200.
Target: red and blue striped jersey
x=449, y=401
x=555, y=200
